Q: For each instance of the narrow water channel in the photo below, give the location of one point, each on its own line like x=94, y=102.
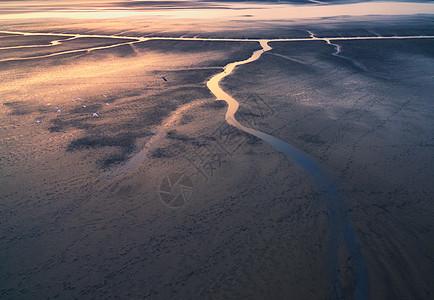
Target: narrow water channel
x=340, y=225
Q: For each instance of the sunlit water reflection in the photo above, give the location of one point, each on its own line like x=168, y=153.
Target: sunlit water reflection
x=212, y=10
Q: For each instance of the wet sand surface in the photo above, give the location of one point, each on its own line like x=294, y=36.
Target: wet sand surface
x=255, y=225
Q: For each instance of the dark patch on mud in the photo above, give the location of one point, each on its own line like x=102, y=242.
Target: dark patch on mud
x=310, y=138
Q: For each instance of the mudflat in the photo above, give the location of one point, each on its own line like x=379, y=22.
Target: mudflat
x=157, y=196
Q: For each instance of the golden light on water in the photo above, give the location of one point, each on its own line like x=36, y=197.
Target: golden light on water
x=260, y=11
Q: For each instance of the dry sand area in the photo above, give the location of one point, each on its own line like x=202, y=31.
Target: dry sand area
x=86, y=209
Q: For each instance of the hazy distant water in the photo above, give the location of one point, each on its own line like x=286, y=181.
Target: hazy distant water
x=263, y=10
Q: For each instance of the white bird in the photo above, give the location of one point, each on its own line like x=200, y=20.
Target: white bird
x=105, y=96
x=72, y=100
x=59, y=111
x=37, y=121
x=78, y=98
x=107, y=104
x=84, y=106
x=95, y=114
x=56, y=108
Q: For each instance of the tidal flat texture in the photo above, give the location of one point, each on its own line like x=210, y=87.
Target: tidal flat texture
x=121, y=179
